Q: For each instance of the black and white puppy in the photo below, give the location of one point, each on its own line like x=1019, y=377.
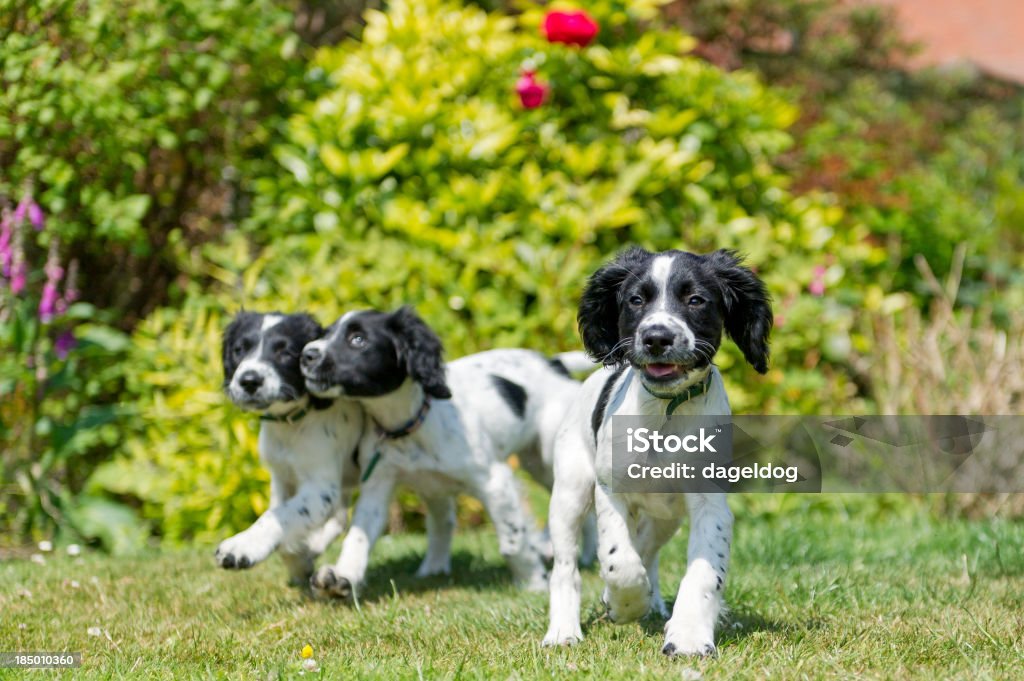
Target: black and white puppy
x=308, y=443
x=442, y=431
x=656, y=320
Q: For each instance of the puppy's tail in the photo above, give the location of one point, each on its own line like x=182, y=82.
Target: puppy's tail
x=575, y=362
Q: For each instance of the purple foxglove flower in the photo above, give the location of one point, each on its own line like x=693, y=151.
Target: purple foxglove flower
x=48, y=302
x=35, y=216
x=19, y=274
x=21, y=210
x=64, y=344
x=6, y=233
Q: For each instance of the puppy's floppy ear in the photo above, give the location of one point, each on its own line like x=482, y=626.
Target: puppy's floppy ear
x=598, y=315
x=748, y=311
x=238, y=324
x=421, y=350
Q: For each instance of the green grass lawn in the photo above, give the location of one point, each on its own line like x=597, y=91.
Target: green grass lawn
x=810, y=597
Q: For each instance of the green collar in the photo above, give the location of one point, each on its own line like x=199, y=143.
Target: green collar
x=290, y=418
x=694, y=390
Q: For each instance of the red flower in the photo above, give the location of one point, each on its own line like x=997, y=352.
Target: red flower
x=532, y=93
x=571, y=28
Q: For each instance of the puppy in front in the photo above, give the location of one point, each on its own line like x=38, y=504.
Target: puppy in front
x=440, y=430
x=308, y=443
x=656, y=320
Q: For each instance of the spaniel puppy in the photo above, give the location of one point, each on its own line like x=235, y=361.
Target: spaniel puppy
x=308, y=443
x=442, y=431
x=656, y=320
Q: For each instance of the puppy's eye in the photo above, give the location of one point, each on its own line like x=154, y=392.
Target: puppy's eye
x=694, y=301
x=280, y=347
x=636, y=301
x=356, y=340
x=242, y=346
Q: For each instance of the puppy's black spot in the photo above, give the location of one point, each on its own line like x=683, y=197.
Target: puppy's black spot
x=304, y=512
x=669, y=649
x=342, y=588
x=243, y=563
x=228, y=562
x=597, y=417
x=613, y=550
x=559, y=368
x=611, y=568
x=721, y=555
x=327, y=499
x=513, y=394
x=324, y=579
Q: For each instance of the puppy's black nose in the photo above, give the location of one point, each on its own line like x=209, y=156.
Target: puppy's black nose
x=250, y=381
x=310, y=356
x=657, y=339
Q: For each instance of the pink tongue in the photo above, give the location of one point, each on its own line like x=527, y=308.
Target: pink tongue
x=661, y=370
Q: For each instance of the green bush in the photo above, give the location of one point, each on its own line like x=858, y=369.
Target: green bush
x=56, y=361
x=417, y=176
x=134, y=124
x=925, y=160
x=923, y=188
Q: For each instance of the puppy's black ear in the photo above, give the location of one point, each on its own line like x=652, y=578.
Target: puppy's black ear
x=748, y=311
x=238, y=325
x=421, y=350
x=306, y=328
x=598, y=315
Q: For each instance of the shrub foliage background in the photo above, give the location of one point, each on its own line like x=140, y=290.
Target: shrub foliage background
x=196, y=158
x=417, y=176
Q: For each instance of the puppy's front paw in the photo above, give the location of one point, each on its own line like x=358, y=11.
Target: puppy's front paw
x=689, y=639
x=566, y=635
x=241, y=552
x=629, y=603
x=326, y=583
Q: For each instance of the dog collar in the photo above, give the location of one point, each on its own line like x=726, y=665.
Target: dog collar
x=313, y=403
x=695, y=390
x=408, y=428
x=290, y=418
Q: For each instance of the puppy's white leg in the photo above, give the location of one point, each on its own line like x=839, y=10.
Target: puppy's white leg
x=288, y=523
x=514, y=527
x=628, y=591
x=368, y=521
x=571, y=499
x=691, y=631
x=300, y=562
x=440, y=527
x=652, y=535
x=320, y=539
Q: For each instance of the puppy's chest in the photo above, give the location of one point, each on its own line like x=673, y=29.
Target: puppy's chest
x=299, y=450
x=411, y=457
